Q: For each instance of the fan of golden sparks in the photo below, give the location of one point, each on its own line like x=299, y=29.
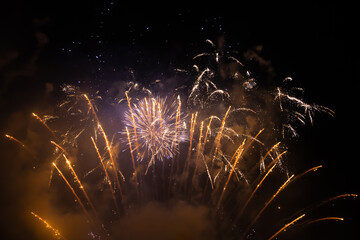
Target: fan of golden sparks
x=193, y=149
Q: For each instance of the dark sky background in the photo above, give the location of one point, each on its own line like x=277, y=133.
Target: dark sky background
x=91, y=44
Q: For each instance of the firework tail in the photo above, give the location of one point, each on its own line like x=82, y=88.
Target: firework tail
x=218, y=138
x=207, y=131
x=324, y=219
x=133, y=163
x=80, y=185
x=43, y=122
x=337, y=197
x=198, y=152
x=133, y=121
x=186, y=169
x=268, y=153
x=47, y=225
x=21, y=144
x=107, y=146
x=174, y=144
x=61, y=148
x=239, y=151
x=15, y=140
x=73, y=191
x=106, y=174
x=177, y=121
x=268, y=171
x=286, y=226
x=266, y=205
x=192, y=129
x=310, y=208
x=252, y=141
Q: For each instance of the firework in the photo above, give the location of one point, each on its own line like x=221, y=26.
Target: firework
x=287, y=226
x=154, y=127
x=73, y=191
x=211, y=151
x=56, y=232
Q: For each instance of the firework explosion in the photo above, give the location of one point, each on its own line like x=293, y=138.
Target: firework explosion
x=201, y=149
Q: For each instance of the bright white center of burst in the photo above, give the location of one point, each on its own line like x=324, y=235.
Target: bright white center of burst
x=155, y=128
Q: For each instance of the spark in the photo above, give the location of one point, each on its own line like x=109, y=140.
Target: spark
x=106, y=174
x=133, y=121
x=267, y=204
x=238, y=153
x=43, y=122
x=337, y=197
x=47, y=225
x=159, y=128
x=80, y=185
x=15, y=140
x=325, y=219
x=73, y=191
x=218, y=137
x=192, y=129
x=107, y=145
x=133, y=161
x=268, y=171
x=287, y=226
x=58, y=146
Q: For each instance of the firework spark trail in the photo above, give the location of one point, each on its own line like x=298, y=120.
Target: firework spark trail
x=116, y=170
x=47, y=225
x=218, y=138
x=133, y=122
x=310, y=208
x=175, y=140
x=199, y=146
x=252, y=140
x=80, y=184
x=15, y=140
x=337, y=197
x=106, y=174
x=307, y=171
x=92, y=108
x=239, y=151
x=324, y=219
x=177, y=121
x=266, y=205
x=192, y=129
x=271, y=165
x=268, y=171
x=61, y=148
x=198, y=151
x=73, y=191
x=207, y=131
x=22, y=145
x=43, y=122
x=133, y=163
x=287, y=226
x=308, y=109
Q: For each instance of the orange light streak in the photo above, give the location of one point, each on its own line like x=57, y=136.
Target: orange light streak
x=218, y=137
x=58, y=146
x=73, y=191
x=15, y=140
x=267, y=204
x=287, y=226
x=239, y=151
x=43, y=122
x=106, y=174
x=80, y=185
x=47, y=225
x=133, y=162
x=133, y=121
x=272, y=164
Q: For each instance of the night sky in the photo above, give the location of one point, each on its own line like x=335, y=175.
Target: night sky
x=94, y=44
